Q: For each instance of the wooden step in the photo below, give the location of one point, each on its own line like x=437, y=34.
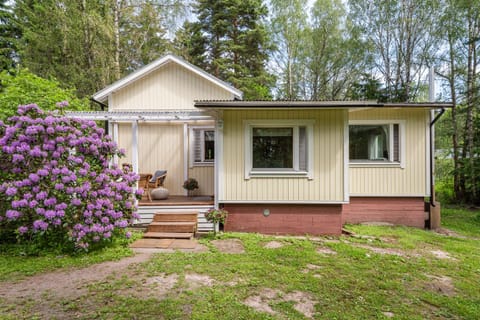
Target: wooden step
x=168, y=235
x=175, y=216
x=172, y=227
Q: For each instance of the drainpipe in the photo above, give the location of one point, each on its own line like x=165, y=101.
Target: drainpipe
x=103, y=106
x=432, y=183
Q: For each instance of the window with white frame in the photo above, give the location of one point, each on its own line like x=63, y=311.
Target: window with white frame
x=202, y=146
x=278, y=147
x=376, y=142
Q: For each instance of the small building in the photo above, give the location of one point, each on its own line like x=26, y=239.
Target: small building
x=278, y=167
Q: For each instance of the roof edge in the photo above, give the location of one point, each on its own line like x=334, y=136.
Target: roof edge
x=103, y=94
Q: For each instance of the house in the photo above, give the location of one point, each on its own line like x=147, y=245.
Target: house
x=286, y=167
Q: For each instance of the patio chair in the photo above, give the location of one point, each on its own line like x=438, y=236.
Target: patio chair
x=143, y=183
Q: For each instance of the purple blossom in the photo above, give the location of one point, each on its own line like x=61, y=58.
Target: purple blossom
x=12, y=214
x=59, y=186
x=50, y=201
x=39, y=225
x=41, y=195
x=34, y=177
x=22, y=229
x=11, y=191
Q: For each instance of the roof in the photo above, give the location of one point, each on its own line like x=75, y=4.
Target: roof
x=103, y=94
x=312, y=104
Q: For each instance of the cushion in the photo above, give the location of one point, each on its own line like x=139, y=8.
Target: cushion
x=159, y=193
x=157, y=174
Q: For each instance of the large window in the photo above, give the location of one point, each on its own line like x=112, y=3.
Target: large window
x=203, y=146
x=375, y=142
x=278, y=148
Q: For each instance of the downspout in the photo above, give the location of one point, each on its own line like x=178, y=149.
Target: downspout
x=103, y=106
x=432, y=183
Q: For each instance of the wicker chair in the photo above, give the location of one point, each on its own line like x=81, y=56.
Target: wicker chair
x=156, y=181
x=144, y=184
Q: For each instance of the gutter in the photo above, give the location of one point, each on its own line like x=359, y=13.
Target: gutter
x=432, y=183
x=102, y=107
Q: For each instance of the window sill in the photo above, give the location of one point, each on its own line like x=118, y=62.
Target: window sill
x=376, y=165
x=203, y=164
x=279, y=174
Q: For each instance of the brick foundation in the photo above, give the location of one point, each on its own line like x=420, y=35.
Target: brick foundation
x=290, y=219
x=408, y=211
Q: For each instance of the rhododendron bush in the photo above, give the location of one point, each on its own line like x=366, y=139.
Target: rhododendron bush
x=57, y=184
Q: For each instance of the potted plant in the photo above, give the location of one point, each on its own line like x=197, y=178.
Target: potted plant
x=190, y=184
x=216, y=216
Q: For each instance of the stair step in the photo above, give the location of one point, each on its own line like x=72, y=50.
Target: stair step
x=175, y=216
x=168, y=235
x=172, y=227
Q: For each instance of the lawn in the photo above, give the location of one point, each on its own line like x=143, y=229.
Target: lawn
x=378, y=273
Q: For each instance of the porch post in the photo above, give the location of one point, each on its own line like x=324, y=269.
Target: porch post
x=185, y=154
x=135, y=146
x=115, y=139
x=218, y=164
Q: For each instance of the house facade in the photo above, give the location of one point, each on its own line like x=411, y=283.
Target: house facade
x=281, y=167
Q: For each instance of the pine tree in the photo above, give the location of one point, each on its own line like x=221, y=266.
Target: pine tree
x=9, y=34
x=230, y=41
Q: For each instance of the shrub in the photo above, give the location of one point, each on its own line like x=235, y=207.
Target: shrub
x=216, y=216
x=58, y=188
x=190, y=184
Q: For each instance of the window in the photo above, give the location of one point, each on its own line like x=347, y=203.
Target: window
x=278, y=148
x=202, y=146
x=375, y=142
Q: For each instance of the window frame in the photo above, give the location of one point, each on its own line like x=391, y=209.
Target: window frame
x=193, y=142
x=401, y=144
x=251, y=172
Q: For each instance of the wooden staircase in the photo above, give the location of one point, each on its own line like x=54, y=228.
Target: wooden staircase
x=172, y=225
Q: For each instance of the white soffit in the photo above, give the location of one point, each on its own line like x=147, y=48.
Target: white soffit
x=139, y=116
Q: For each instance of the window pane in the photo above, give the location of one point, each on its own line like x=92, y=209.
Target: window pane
x=272, y=148
x=369, y=142
x=209, y=138
x=302, y=141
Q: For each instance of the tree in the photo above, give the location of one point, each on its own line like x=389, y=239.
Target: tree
x=229, y=40
x=9, y=34
x=400, y=33
x=57, y=188
x=23, y=87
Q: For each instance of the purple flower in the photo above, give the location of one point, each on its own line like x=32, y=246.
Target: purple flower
x=50, y=214
x=50, y=201
x=59, y=186
x=11, y=191
x=128, y=235
x=22, y=229
x=41, y=195
x=12, y=214
x=62, y=104
x=76, y=202
x=39, y=225
x=33, y=177
x=42, y=172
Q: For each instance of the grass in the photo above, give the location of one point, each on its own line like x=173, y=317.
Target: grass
x=15, y=264
x=354, y=283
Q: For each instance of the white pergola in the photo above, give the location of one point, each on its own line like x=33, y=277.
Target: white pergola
x=134, y=117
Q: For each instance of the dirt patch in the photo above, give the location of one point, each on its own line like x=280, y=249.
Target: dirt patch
x=303, y=301
x=449, y=233
x=327, y=251
x=47, y=290
x=310, y=267
x=388, y=314
x=274, y=245
x=195, y=280
x=162, y=283
x=229, y=246
x=442, y=284
x=385, y=251
x=440, y=254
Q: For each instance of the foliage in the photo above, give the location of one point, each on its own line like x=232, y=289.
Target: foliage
x=216, y=216
x=190, y=184
x=23, y=87
x=57, y=186
x=229, y=41
x=9, y=34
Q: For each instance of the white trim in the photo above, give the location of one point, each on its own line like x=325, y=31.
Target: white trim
x=103, y=94
x=185, y=155
x=152, y=116
x=427, y=153
x=135, y=146
x=346, y=158
x=401, y=145
x=218, y=169
x=294, y=172
x=282, y=202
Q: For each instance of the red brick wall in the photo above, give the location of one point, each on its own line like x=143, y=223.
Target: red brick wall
x=407, y=211
x=290, y=219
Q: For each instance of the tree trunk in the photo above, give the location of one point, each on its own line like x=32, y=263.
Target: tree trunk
x=116, y=35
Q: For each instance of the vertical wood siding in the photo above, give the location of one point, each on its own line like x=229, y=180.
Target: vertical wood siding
x=389, y=181
x=169, y=87
x=327, y=184
x=205, y=178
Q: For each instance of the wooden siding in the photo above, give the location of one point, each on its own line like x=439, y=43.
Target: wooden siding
x=205, y=178
x=395, y=181
x=406, y=211
x=169, y=87
x=327, y=184
x=285, y=219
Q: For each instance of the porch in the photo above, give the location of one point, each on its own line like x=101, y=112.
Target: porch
x=201, y=204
